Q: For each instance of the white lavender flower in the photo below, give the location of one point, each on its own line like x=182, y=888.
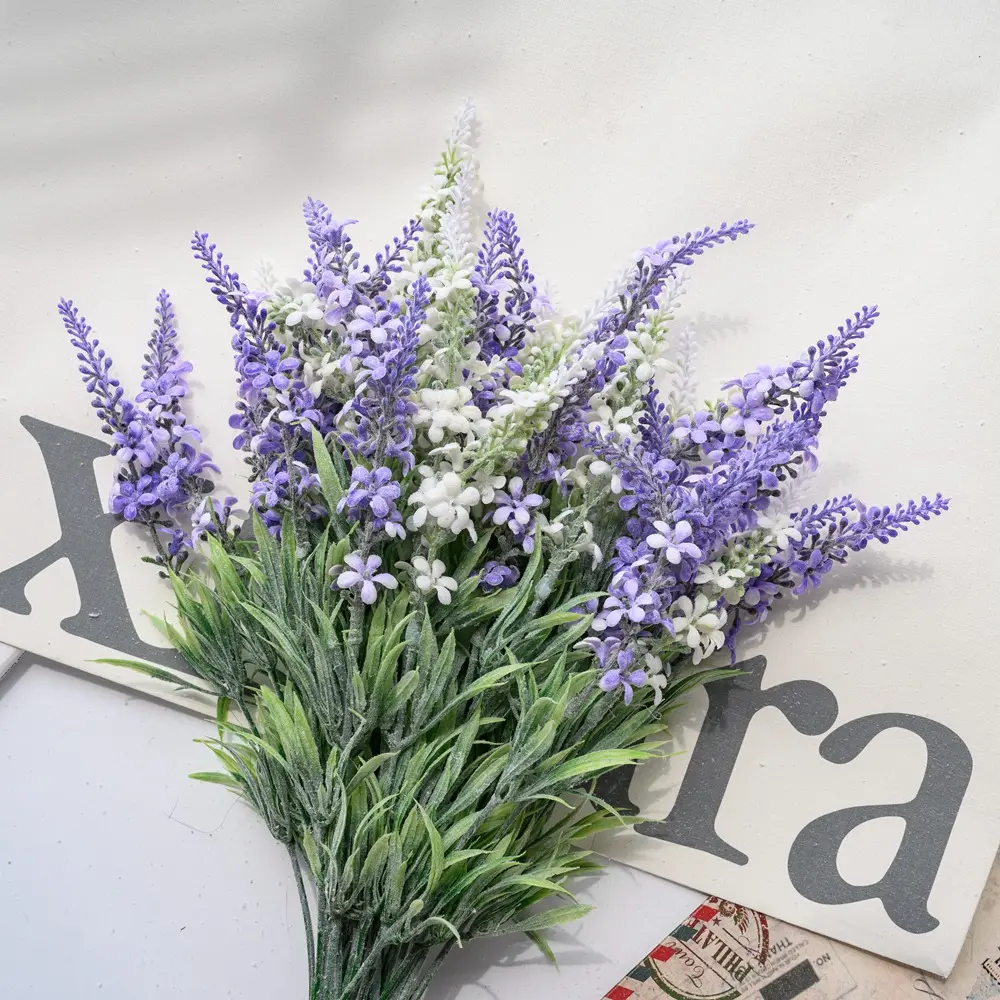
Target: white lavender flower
x=432, y=576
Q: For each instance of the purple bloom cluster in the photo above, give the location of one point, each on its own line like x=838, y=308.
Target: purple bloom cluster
x=386, y=380
x=505, y=291
x=498, y=576
x=557, y=445
x=829, y=531
x=159, y=452
x=666, y=514
x=374, y=492
x=689, y=485
x=816, y=378
x=515, y=509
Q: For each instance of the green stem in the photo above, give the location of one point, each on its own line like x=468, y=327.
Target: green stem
x=306, y=913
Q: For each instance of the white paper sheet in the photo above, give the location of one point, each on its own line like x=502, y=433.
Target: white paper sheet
x=862, y=138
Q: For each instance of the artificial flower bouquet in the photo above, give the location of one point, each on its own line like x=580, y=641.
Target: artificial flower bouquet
x=486, y=545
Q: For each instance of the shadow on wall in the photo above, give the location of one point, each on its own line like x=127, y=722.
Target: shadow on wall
x=130, y=102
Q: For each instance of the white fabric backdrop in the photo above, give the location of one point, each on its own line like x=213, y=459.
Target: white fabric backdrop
x=862, y=137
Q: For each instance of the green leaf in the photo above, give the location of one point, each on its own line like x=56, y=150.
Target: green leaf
x=543, y=946
x=216, y=778
x=403, y=691
x=494, y=678
x=375, y=860
x=548, y=918
x=367, y=769
x=447, y=924
x=437, y=851
x=158, y=673
x=329, y=481
x=553, y=620
x=311, y=851
x=595, y=763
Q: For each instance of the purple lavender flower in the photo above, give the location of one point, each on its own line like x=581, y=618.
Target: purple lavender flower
x=297, y=408
x=211, y=517
x=178, y=543
x=332, y=250
x=364, y=573
x=140, y=439
x=505, y=290
x=95, y=367
x=173, y=474
x=515, y=509
x=628, y=601
x=130, y=499
x=272, y=489
x=384, y=387
x=623, y=676
x=810, y=567
x=224, y=283
x=656, y=265
x=604, y=648
x=163, y=382
x=817, y=378
x=371, y=490
x=270, y=371
x=673, y=541
x=498, y=576
x=390, y=262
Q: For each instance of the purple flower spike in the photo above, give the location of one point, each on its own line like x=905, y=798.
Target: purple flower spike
x=163, y=382
x=364, y=573
x=605, y=650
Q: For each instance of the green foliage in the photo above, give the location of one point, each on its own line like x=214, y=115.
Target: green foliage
x=431, y=766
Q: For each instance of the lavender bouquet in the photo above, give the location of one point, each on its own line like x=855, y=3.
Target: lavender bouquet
x=483, y=549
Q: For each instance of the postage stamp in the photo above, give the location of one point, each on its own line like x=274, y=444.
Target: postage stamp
x=724, y=951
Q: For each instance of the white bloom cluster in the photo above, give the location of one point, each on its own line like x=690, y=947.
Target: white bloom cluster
x=431, y=576
x=450, y=412
x=779, y=529
x=445, y=501
x=296, y=310
x=699, y=624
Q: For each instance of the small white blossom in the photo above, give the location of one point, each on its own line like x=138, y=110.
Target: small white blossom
x=319, y=371
x=295, y=303
x=656, y=677
x=647, y=353
x=598, y=467
x=431, y=576
x=447, y=411
x=699, y=625
x=621, y=421
x=445, y=501
x=716, y=574
x=779, y=529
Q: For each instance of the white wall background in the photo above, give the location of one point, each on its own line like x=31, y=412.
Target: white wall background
x=861, y=136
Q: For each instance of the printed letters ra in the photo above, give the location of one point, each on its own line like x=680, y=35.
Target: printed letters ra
x=812, y=710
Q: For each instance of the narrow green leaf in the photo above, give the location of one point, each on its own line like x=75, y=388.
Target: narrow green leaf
x=216, y=778
x=437, y=851
x=447, y=924
x=158, y=673
x=548, y=918
x=543, y=946
x=329, y=481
